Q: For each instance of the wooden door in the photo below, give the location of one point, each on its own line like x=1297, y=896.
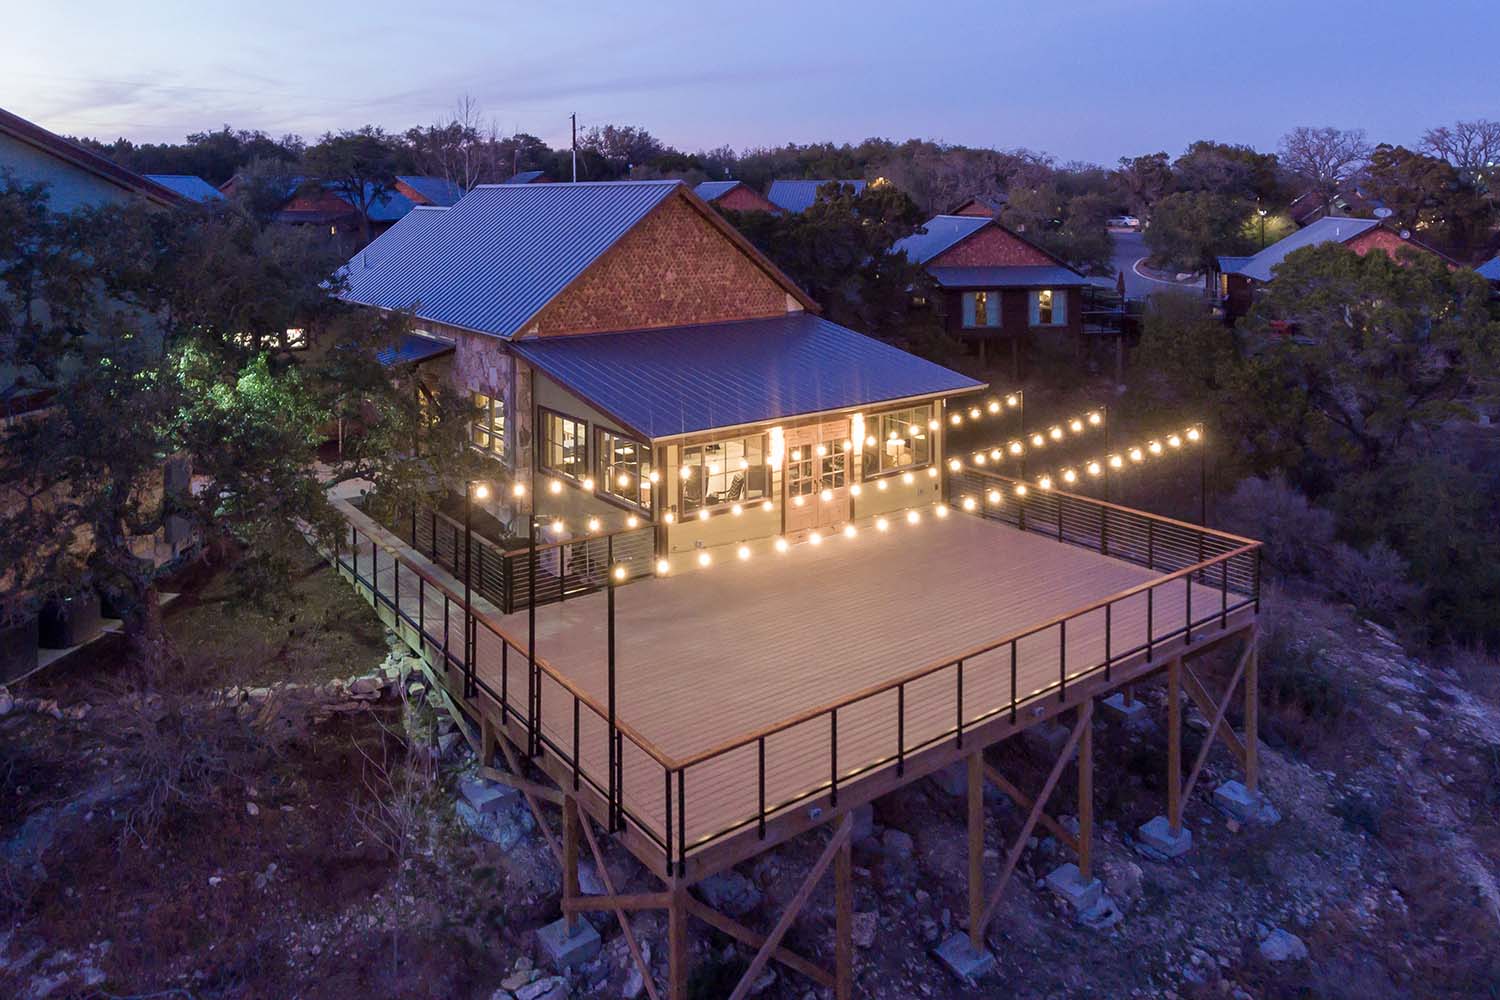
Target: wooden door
x=819, y=471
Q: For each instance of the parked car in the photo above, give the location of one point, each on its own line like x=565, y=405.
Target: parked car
x=1124, y=222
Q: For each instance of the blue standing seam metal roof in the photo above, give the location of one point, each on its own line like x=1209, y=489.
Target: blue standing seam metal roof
x=1231, y=265
x=684, y=379
x=709, y=190
x=1490, y=269
x=412, y=348
x=526, y=177
x=435, y=190
x=190, y=186
x=942, y=232
x=798, y=196
x=1015, y=276
x=491, y=262
x=1330, y=229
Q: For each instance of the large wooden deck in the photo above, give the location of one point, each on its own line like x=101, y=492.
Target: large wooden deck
x=705, y=657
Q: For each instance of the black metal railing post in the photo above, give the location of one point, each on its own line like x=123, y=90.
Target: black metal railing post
x=1188, y=635
x=833, y=756
x=1062, y=660
x=1108, y=640
x=531, y=685
x=900, y=729
x=614, y=791
x=1014, y=695
x=761, y=783
x=958, y=728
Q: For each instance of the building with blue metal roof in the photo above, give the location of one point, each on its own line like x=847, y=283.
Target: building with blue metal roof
x=626, y=351
x=422, y=190
x=1490, y=269
x=189, y=186
x=799, y=195
x=993, y=285
x=735, y=196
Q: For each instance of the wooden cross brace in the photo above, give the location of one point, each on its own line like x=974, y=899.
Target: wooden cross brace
x=1013, y=856
x=1217, y=725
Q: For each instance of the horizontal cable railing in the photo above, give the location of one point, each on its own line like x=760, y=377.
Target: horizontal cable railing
x=1207, y=576
x=564, y=568
x=460, y=638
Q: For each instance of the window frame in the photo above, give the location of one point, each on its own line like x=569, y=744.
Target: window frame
x=971, y=296
x=875, y=427
x=685, y=507
x=496, y=449
x=1035, y=306
x=604, y=473
x=544, y=456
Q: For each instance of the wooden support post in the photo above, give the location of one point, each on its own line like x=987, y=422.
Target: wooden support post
x=1214, y=723
x=1174, y=745
x=486, y=738
x=1086, y=791
x=1206, y=704
x=570, y=861
x=976, y=849
x=677, y=945
x=1252, y=713
x=531, y=801
x=843, y=929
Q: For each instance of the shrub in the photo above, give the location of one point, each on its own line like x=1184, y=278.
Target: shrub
x=1298, y=537
x=1373, y=581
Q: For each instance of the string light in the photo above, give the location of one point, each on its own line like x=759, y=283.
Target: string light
x=632, y=521
x=662, y=567
x=686, y=472
x=781, y=544
x=994, y=406
x=956, y=419
x=1154, y=447
x=993, y=496
x=1069, y=476
x=703, y=514
x=737, y=510
x=1174, y=441
x=1037, y=441
x=518, y=490
x=1096, y=418
x=704, y=559
x=881, y=524
x=908, y=478
x=850, y=531
x=620, y=572
x=941, y=510
x=1045, y=482
x=932, y=472
x=1194, y=434
x=1094, y=468
x=1057, y=433
x=798, y=501
x=912, y=517
x=1017, y=447
x=816, y=538
x=1136, y=455
x=1115, y=461
x=1020, y=489
x=974, y=413
x=623, y=480
x=654, y=476
x=767, y=506
x=1076, y=426
x=933, y=424
x=555, y=486
x=669, y=517
x=969, y=504
x=882, y=486
x=1011, y=400
x=557, y=527
x=743, y=552
x=855, y=489
x=593, y=524
x=588, y=483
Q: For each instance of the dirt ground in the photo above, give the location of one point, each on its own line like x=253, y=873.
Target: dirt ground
x=260, y=873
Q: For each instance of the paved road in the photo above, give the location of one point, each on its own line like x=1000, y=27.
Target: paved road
x=1130, y=249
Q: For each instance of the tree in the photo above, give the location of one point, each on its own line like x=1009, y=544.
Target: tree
x=1428, y=195
x=1385, y=354
x=1190, y=229
x=165, y=360
x=1326, y=159
x=622, y=146
x=1187, y=353
x=1230, y=169
x=454, y=148
x=1143, y=181
x=360, y=166
x=1071, y=228
x=1472, y=148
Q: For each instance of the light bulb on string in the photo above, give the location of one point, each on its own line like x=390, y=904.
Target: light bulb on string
x=703, y=514
x=941, y=510
x=1045, y=482
x=1057, y=433
x=1016, y=447
x=993, y=496
x=1154, y=447
x=1076, y=426
x=855, y=489
x=815, y=538
x=850, y=531
x=882, y=486
x=1095, y=419
x=912, y=517
x=969, y=504
x=1094, y=468
x=1069, y=476
x=908, y=478
x=1136, y=455
x=881, y=524
x=743, y=552
x=994, y=406
x=767, y=506
x=593, y=524
x=662, y=567
x=737, y=510
x=704, y=559
x=781, y=544
x=632, y=521
x=1194, y=434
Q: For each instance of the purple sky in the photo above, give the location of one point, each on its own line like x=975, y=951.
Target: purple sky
x=1089, y=79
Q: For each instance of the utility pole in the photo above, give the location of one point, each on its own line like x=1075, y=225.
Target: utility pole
x=574, y=119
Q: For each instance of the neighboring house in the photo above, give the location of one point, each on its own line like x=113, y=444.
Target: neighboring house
x=529, y=177
x=798, y=196
x=190, y=186
x=981, y=207
x=420, y=190
x=626, y=350
x=1236, y=280
x=1490, y=270
x=1308, y=207
x=994, y=284
x=735, y=196
x=75, y=177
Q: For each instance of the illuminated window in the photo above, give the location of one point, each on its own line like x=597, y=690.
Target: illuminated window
x=1049, y=308
x=982, y=308
x=902, y=440
x=487, y=424
x=724, y=472
x=564, y=445
x=624, y=468
x=296, y=339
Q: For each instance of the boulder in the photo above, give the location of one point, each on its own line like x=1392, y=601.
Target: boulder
x=730, y=893
x=1282, y=946
x=898, y=844
x=863, y=929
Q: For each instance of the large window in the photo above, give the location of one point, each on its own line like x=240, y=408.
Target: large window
x=723, y=473
x=982, y=308
x=564, y=445
x=898, y=440
x=487, y=424
x=1049, y=307
x=624, y=468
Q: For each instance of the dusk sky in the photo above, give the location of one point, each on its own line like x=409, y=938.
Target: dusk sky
x=1091, y=80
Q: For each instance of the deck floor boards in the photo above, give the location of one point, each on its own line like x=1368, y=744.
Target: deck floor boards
x=704, y=656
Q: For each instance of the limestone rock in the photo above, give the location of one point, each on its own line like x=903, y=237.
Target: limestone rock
x=863, y=929
x=1282, y=946
x=730, y=893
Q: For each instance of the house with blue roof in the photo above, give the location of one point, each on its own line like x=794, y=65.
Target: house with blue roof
x=628, y=354
x=1236, y=280
x=735, y=196
x=994, y=286
x=190, y=186
x=799, y=195
x=1490, y=271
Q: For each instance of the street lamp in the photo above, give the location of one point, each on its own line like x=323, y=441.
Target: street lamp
x=1262, y=213
x=473, y=490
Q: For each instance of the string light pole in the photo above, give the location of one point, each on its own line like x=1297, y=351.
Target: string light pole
x=531, y=741
x=473, y=490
